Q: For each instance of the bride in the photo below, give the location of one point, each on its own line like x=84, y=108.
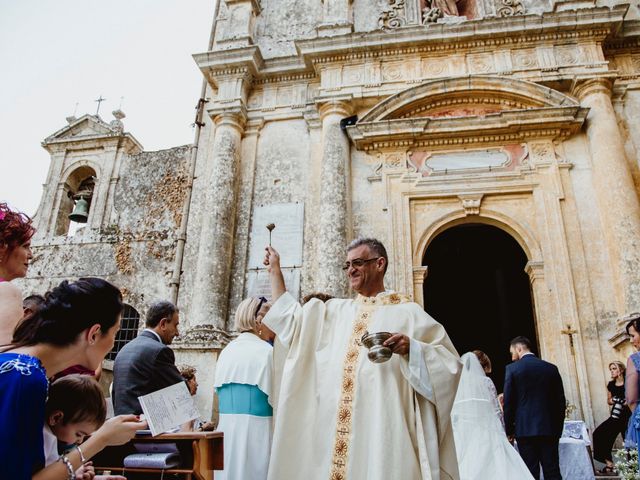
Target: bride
x=482, y=447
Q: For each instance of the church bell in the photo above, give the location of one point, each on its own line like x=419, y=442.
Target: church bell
x=80, y=212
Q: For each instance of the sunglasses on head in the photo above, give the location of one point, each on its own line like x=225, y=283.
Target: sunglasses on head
x=263, y=300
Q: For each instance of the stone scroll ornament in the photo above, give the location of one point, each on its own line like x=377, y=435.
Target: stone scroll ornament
x=509, y=8
x=393, y=16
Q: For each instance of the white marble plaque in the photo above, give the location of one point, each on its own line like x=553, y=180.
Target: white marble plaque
x=286, y=238
x=466, y=160
x=258, y=284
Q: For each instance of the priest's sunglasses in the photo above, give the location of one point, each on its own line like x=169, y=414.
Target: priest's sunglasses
x=357, y=263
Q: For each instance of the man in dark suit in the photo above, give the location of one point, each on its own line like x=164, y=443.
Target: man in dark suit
x=534, y=407
x=147, y=363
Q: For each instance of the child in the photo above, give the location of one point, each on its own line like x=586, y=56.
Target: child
x=75, y=409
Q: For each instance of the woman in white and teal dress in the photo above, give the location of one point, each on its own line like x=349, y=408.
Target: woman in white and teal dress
x=244, y=386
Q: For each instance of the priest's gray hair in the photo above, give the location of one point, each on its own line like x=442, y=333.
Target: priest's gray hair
x=375, y=246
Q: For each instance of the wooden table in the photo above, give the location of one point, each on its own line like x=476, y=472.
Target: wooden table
x=200, y=452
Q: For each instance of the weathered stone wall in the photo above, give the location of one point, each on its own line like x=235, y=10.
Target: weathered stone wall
x=136, y=252
x=283, y=21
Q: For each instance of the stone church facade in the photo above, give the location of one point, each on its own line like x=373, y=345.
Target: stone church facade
x=335, y=119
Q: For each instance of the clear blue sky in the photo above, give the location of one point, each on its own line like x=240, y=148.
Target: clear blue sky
x=56, y=53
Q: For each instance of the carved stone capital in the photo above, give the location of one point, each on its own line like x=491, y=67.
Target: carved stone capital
x=312, y=118
x=420, y=274
x=202, y=337
x=234, y=117
x=471, y=203
x=254, y=126
x=334, y=107
x=535, y=270
x=593, y=86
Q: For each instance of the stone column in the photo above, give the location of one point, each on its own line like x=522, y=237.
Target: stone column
x=333, y=219
x=246, y=174
x=615, y=190
x=213, y=268
x=101, y=189
x=419, y=276
x=48, y=209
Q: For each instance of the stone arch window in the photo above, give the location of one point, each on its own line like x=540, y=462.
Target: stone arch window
x=128, y=330
x=78, y=185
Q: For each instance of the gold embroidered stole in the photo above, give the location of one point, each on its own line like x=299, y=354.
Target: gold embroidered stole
x=367, y=305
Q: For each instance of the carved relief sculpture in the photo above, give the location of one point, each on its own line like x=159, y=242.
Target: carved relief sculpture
x=509, y=8
x=393, y=16
x=449, y=8
x=435, y=9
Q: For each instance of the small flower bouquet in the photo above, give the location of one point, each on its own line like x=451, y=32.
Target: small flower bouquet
x=626, y=461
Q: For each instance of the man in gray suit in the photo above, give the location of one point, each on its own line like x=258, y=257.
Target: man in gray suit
x=147, y=363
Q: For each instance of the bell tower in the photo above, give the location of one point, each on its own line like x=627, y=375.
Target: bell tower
x=85, y=162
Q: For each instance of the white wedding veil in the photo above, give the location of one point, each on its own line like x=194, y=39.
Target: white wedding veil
x=482, y=448
x=475, y=402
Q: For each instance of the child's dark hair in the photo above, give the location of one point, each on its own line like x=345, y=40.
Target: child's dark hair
x=69, y=309
x=79, y=398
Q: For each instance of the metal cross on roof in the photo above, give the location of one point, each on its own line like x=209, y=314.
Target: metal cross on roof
x=99, y=101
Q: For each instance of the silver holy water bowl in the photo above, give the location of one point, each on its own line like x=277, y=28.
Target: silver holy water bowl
x=378, y=353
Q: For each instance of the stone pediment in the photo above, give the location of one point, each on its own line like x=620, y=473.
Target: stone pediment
x=85, y=126
x=88, y=128
x=467, y=110
x=467, y=96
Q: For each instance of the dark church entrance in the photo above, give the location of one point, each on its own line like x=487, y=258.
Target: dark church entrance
x=477, y=288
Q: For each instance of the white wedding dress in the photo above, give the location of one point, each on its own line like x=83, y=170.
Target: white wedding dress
x=482, y=447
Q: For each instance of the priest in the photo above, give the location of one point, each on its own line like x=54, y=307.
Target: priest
x=341, y=416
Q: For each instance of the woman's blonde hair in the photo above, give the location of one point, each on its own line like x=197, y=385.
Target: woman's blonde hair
x=246, y=314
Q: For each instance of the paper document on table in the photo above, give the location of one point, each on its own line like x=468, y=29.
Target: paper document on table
x=168, y=408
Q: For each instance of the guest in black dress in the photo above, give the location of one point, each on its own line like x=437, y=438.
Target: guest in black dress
x=605, y=435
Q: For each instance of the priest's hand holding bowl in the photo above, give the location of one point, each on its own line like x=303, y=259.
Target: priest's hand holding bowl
x=398, y=343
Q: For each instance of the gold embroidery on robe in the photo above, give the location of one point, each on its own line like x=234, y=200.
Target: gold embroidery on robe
x=345, y=407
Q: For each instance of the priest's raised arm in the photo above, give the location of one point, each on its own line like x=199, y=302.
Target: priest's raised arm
x=341, y=416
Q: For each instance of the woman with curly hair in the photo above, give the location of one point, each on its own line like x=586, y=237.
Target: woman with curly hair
x=15, y=253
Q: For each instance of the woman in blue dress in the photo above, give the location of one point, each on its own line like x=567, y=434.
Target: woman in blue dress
x=76, y=325
x=632, y=386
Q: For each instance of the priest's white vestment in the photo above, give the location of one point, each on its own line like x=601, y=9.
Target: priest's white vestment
x=341, y=416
